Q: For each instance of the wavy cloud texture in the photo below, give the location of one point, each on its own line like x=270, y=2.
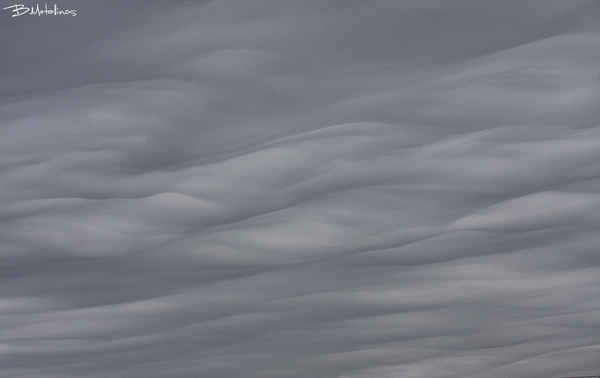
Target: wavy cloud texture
x=300, y=189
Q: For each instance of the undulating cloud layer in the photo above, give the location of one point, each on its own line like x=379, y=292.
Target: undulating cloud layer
x=296, y=189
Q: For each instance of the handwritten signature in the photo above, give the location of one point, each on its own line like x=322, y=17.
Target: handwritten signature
x=20, y=9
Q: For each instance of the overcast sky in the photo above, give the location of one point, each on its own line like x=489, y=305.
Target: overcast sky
x=293, y=189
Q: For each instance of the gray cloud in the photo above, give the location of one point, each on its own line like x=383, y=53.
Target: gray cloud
x=293, y=189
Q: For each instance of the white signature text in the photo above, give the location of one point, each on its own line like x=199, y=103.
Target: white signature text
x=20, y=9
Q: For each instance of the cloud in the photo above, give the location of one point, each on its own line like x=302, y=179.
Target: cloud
x=270, y=189
x=540, y=210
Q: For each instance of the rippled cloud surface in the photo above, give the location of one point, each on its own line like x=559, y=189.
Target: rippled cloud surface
x=300, y=189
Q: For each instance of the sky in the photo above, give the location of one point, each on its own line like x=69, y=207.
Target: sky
x=291, y=189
